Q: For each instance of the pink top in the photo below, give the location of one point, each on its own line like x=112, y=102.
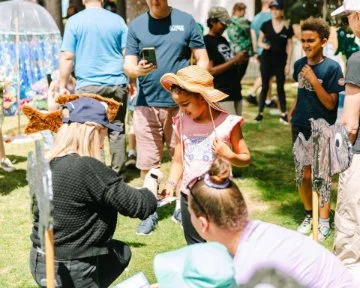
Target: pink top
x=266, y=245
x=197, y=139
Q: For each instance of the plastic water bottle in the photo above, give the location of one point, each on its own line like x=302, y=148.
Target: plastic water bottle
x=340, y=106
x=153, y=179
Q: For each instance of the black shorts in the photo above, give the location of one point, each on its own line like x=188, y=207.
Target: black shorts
x=297, y=129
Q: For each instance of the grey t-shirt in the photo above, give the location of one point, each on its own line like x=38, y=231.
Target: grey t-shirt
x=353, y=77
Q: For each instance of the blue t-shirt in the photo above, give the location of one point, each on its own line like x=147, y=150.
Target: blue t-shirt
x=96, y=36
x=308, y=104
x=256, y=24
x=172, y=37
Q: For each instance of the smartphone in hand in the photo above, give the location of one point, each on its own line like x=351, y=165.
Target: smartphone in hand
x=148, y=53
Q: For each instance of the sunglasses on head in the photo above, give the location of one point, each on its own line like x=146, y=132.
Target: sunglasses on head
x=345, y=18
x=197, y=202
x=207, y=180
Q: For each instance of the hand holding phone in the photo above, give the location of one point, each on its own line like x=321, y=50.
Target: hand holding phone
x=148, y=54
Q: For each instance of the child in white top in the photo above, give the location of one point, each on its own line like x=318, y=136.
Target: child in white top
x=204, y=130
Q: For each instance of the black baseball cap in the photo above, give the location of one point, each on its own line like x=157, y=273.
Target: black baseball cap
x=278, y=4
x=87, y=109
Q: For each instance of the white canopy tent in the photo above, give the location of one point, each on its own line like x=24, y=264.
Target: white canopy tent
x=199, y=8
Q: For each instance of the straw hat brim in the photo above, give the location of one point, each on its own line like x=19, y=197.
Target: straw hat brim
x=210, y=94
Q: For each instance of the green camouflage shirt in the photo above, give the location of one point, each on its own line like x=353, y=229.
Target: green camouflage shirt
x=239, y=35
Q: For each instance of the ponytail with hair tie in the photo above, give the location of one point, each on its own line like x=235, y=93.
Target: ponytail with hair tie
x=212, y=184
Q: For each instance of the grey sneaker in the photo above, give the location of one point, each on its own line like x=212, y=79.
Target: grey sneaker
x=323, y=233
x=148, y=225
x=7, y=165
x=176, y=217
x=305, y=226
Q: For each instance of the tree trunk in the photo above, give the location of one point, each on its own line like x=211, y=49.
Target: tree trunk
x=134, y=8
x=121, y=8
x=54, y=8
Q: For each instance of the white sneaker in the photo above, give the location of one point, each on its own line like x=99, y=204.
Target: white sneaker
x=323, y=233
x=7, y=165
x=305, y=226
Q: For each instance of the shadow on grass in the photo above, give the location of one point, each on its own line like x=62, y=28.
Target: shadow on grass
x=136, y=244
x=17, y=159
x=11, y=181
x=166, y=211
x=131, y=174
x=274, y=174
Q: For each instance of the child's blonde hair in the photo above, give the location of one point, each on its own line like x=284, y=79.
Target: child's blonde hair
x=225, y=207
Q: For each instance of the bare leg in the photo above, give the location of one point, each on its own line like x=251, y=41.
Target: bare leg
x=256, y=86
x=143, y=173
x=305, y=189
x=132, y=141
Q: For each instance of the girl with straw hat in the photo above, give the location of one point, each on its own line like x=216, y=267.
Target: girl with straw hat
x=203, y=130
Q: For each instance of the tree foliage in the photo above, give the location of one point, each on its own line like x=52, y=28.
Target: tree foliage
x=297, y=10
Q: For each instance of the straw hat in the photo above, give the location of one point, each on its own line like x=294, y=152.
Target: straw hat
x=197, y=80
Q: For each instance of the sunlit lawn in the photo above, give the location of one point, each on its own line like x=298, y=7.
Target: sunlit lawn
x=268, y=184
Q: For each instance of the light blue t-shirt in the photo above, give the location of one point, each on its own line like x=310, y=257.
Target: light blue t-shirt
x=96, y=36
x=172, y=37
x=256, y=24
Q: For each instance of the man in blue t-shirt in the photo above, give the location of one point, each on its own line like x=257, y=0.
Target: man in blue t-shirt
x=320, y=81
x=92, y=46
x=175, y=36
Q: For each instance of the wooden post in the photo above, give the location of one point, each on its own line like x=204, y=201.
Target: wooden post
x=49, y=254
x=315, y=214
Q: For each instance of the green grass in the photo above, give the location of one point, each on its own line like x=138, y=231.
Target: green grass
x=267, y=184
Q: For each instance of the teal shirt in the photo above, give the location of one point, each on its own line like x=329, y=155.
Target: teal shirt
x=258, y=21
x=96, y=37
x=239, y=35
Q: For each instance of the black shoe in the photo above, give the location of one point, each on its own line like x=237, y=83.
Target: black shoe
x=259, y=118
x=284, y=120
x=252, y=100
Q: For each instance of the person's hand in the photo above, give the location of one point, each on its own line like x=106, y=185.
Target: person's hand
x=166, y=192
x=308, y=74
x=241, y=57
x=220, y=149
x=132, y=90
x=144, y=68
x=63, y=90
x=266, y=46
x=152, y=180
x=287, y=69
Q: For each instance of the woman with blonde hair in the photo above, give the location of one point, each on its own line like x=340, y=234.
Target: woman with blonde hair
x=87, y=196
x=219, y=214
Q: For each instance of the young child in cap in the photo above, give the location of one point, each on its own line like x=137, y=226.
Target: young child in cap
x=203, y=130
x=320, y=81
